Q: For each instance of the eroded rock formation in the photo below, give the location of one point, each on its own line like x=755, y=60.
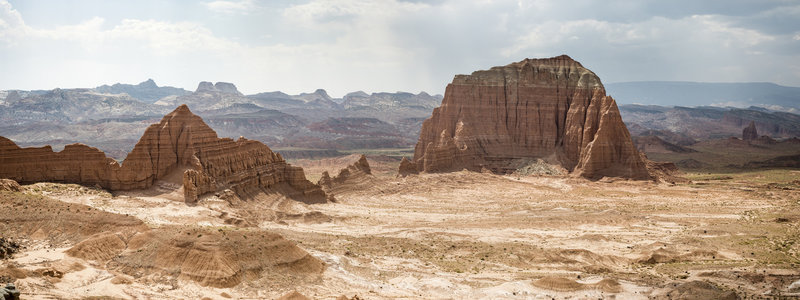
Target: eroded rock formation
x=407, y=167
x=181, y=145
x=554, y=109
x=750, y=133
x=203, y=255
x=9, y=185
x=355, y=171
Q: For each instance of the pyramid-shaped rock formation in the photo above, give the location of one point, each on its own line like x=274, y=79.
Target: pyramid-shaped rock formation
x=554, y=109
x=181, y=142
x=750, y=133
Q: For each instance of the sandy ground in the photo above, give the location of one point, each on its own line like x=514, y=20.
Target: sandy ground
x=472, y=235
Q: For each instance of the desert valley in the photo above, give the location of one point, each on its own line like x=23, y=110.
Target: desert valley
x=524, y=181
x=399, y=149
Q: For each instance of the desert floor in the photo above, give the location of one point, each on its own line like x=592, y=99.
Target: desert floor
x=474, y=235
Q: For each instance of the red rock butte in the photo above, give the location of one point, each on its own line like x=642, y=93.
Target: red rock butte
x=181, y=143
x=553, y=109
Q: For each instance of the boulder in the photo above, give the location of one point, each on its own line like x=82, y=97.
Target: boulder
x=10, y=292
x=553, y=109
x=7, y=248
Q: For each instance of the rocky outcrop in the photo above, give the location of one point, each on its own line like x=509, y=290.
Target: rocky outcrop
x=77, y=163
x=7, y=248
x=9, y=185
x=219, y=87
x=750, y=133
x=407, y=167
x=358, y=169
x=10, y=292
x=325, y=180
x=206, y=256
x=664, y=171
x=182, y=143
x=554, y=109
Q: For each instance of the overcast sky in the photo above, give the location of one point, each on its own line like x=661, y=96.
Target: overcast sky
x=388, y=45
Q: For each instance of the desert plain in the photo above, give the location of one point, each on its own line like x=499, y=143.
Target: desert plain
x=447, y=236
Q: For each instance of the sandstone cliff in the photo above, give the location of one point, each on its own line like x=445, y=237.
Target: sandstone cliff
x=554, y=109
x=182, y=143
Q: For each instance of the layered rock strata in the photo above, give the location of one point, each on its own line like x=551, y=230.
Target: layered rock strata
x=181, y=143
x=554, y=109
x=356, y=170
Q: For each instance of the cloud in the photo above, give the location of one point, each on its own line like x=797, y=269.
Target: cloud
x=730, y=34
x=166, y=38
x=157, y=37
x=231, y=7
x=693, y=30
x=354, y=15
x=11, y=24
x=346, y=45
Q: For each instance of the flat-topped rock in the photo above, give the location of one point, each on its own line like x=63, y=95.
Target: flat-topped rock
x=553, y=109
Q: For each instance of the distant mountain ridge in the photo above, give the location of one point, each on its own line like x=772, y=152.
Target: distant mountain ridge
x=358, y=120
x=681, y=124
x=146, y=91
x=111, y=117
x=684, y=93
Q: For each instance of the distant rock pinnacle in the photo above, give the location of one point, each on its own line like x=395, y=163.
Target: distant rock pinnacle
x=750, y=133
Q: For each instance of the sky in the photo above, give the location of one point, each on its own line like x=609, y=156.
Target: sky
x=389, y=45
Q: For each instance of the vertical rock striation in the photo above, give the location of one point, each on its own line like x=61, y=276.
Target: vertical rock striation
x=554, y=109
x=181, y=143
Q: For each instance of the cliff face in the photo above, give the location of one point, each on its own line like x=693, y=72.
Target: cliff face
x=554, y=109
x=181, y=142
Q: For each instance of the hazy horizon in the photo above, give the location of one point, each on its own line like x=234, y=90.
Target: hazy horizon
x=192, y=89
x=384, y=46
